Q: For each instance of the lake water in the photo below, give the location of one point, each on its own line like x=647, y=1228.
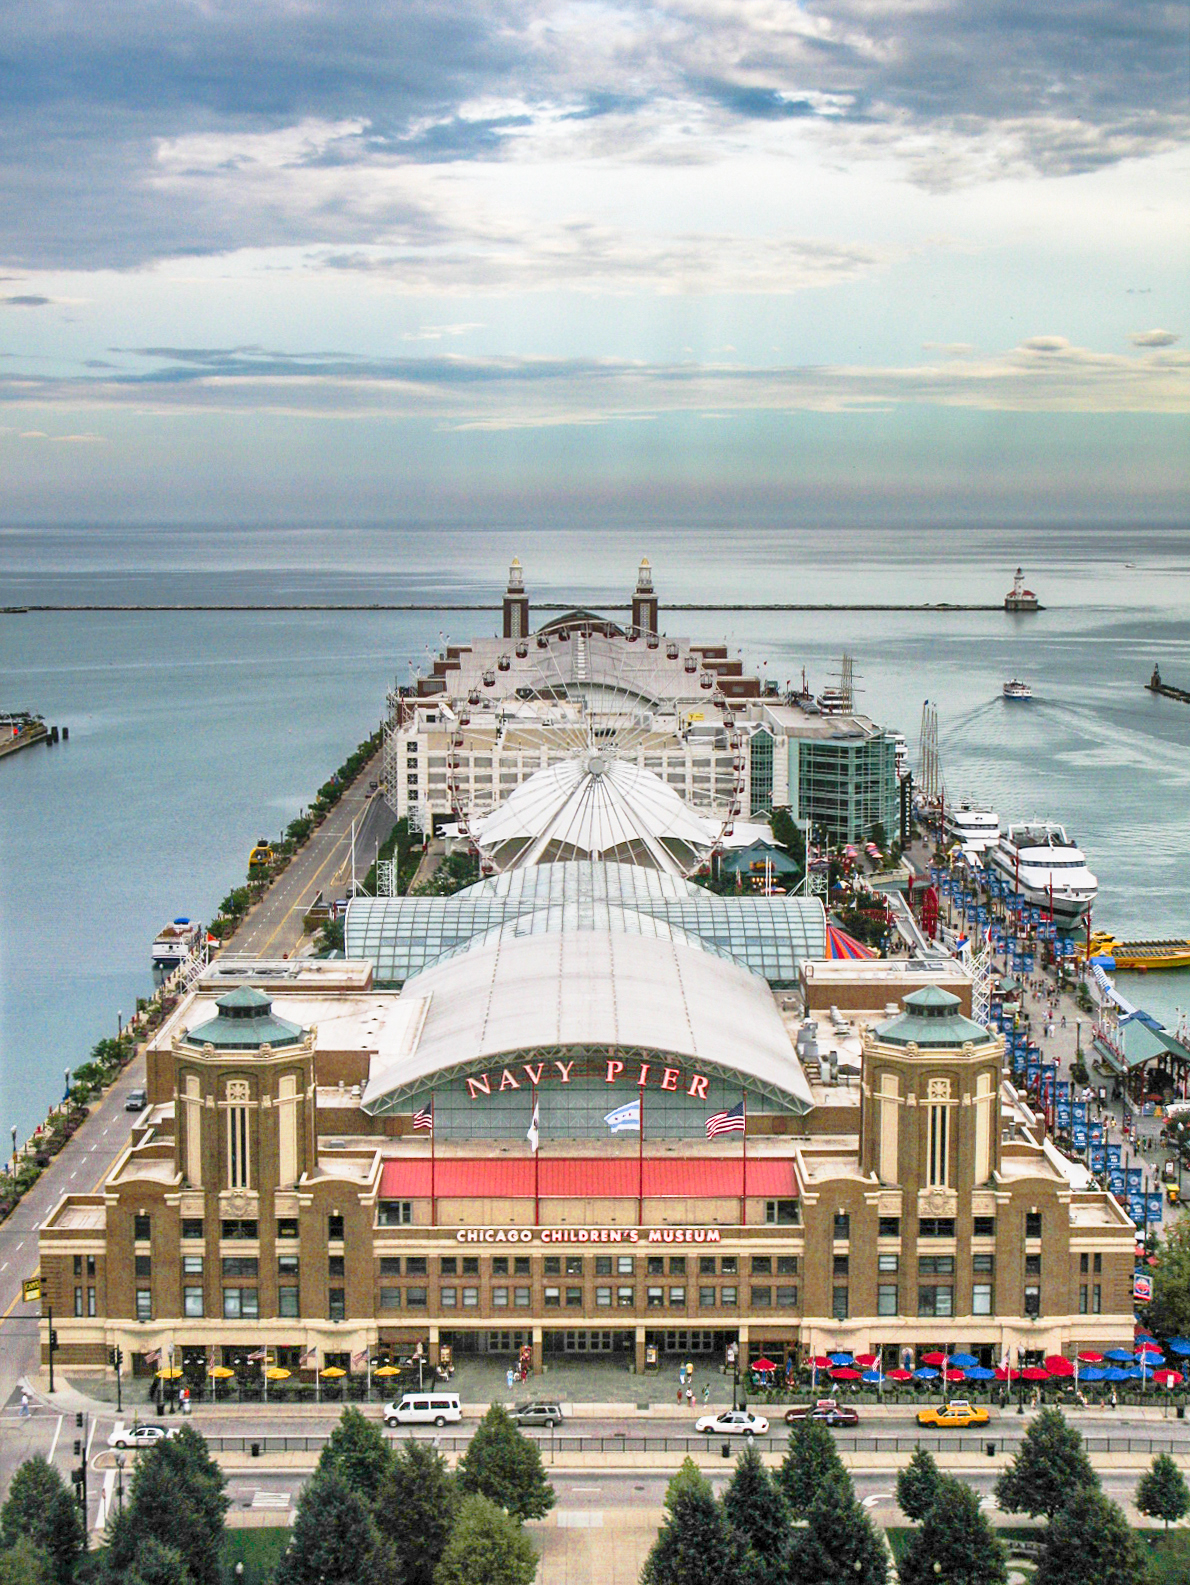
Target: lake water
x=192, y=734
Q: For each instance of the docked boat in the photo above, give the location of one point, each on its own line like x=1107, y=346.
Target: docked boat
x=1048, y=870
x=977, y=829
x=175, y=944
x=1168, y=953
x=1016, y=689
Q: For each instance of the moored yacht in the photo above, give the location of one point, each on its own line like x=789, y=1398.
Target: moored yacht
x=976, y=829
x=1049, y=871
x=175, y=944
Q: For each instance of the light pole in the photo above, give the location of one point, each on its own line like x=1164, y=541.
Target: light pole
x=120, y=1024
x=120, y=1479
x=66, y=1088
x=14, y=1148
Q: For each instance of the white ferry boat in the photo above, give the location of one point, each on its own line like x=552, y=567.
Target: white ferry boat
x=1016, y=689
x=1045, y=866
x=977, y=829
x=175, y=944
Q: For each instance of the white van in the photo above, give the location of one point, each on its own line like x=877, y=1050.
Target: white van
x=424, y=1408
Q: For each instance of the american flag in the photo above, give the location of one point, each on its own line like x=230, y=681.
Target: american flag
x=359, y=1359
x=425, y=1118
x=306, y=1355
x=259, y=1354
x=153, y=1357
x=726, y=1122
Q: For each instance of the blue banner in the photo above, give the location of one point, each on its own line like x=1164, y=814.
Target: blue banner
x=1063, y=1089
x=1136, y=1180
x=1078, y=1124
x=1115, y=1181
x=1095, y=1134
x=1098, y=1159
x=1032, y=1072
x=1136, y=1208
x=1154, y=1202
x=1062, y=1114
x=1113, y=1156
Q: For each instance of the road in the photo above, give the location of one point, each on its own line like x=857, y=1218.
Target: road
x=274, y=927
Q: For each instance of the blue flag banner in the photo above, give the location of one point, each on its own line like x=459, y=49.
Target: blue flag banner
x=1136, y=1208
x=1062, y=1114
x=1113, y=1156
x=1155, y=1203
x=1098, y=1159
x=1136, y=1180
x=1115, y=1181
x=1095, y=1133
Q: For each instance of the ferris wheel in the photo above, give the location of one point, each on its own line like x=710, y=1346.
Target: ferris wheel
x=589, y=704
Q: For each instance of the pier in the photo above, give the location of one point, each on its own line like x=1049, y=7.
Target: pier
x=1155, y=685
x=20, y=730
x=928, y=607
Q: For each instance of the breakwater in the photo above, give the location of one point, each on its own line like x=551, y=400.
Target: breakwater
x=936, y=606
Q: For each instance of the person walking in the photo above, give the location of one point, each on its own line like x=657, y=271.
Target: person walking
x=24, y=1406
x=706, y=1394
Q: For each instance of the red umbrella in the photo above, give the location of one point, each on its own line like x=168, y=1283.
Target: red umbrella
x=1059, y=1365
x=865, y=1361
x=1168, y=1378
x=953, y=1375
x=820, y=1362
x=1090, y=1357
x=1034, y=1373
x=1004, y=1374
x=1147, y=1346
x=762, y=1364
x=933, y=1359
x=844, y=1373
x=898, y=1375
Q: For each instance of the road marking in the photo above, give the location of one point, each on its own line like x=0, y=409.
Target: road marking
x=588, y=1490
x=11, y=1305
x=90, y=1438
x=578, y=1519
x=877, y=1497
x=271, y=1499
x=54, y=1443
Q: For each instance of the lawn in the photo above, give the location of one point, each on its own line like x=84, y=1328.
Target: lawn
x=257, y=1550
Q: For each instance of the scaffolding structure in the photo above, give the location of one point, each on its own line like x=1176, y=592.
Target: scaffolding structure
x=929, y=763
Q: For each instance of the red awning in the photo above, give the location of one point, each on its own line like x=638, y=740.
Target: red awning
x=576, y=1177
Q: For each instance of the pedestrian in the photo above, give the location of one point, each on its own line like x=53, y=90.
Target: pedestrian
x=510, y=1377
x=690, y=1397
x=24, y=1406
x=681, y=1393
x=681, y=1375
x=706, y=1394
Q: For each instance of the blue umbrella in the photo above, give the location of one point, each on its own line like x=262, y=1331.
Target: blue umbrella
x=1152, y=1361
x=1115, y=1374
x=1124, y=1356
x=1092, y=1373
x=1135, y=1374
x=925, y=1373
x=964, y=1362
x=841, y=1359
x=872, y=1376
x=979, y=1373
x=1179, y=1345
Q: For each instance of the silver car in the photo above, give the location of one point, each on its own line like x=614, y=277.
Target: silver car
x=539, y=1411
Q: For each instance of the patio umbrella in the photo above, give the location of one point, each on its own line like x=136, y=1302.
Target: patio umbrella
x=387, y=1370
x=980, y=1373
x=842, y=1359
x=170, y=1373
x=900, y=1375
x=277, y=1373
x=1147, y=1345
x=954, y=1375
x=1150, y=1361
x=221, y=1372
x=762, y=1364
x=1122, y=1356
x=333, y=1372
x=1004, y=1373
x=872, y=1377
x=1093, y=1373
x=867, y=1361
x=925, y=1373
x=934, y=1359
x=1090, y=1357
x=1179, y=1345
x=1168, y=1378
x=1114, y=1373
x=1059, y=1365
x=821, y=1362
x=1034, y=1373
x=963, y=1361
x=844, y=1373
x=1134, y=1373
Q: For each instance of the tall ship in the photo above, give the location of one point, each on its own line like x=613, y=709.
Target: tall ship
x=977, y=829
x=175, y=944
x=1049, y=871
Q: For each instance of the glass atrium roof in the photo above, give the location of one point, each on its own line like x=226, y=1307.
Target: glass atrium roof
x=401, y=936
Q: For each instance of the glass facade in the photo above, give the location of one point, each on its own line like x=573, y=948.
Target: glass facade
x=761, y=771
x=846, y=783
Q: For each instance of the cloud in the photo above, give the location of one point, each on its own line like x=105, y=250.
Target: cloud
x=1153, y=338
x=437, y=332
x=26, y=300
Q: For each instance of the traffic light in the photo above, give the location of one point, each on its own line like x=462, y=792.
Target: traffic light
x=78, y=1447
x=78, y=1420
x=54, y=1338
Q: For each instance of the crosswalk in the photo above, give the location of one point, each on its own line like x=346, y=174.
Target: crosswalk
x=270, y=1499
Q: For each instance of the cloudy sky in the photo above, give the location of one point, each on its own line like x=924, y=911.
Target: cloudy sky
x=269, y=259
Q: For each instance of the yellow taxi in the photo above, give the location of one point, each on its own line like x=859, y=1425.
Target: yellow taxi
x=959, y=1413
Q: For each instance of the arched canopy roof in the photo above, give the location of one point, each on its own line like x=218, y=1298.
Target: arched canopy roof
x=595, y=990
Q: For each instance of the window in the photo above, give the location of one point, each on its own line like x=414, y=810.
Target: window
x=90, y=1301
x=1097, y=1267
x=655, y=1298
x=574, y=1298
x=677, y=1296
x=416, y=1266
x=983, y=1265
x=1032, y=1300
x=237, y=1134
x=840, y=1265
x=574, y=1265
x=1032, y=1224
x=1097, y=1300
x=786, y=1297
x=287, y=1299
x=888, y=1263
x=234, y=1228
x=500, y=1298
x=935, y=1299
x=603, y=1265
x=471, y=1265
x=677, y=1265
x=936, y=1266
x=144, y=1304
x=553, y=1298
x=520, y=1297
x=390, y=1298
x=337, y=1304
x=782, y=1213
x=240, y=1266
x=78, y=1299
x=625, y=1265
x=144, y=1265
x=415, y=1298
x=390, y=1265
x=981, y=1299
x=287, y=1227
x=656, y=1266
x=937, y=1132
x=448, y=1298
x=983, y=1226
x=762, y=1265
x=141, y=1227
x=1032, y=1265
x=520, y=1266
x=91, y=1265
x=787, y=1265
x=842, y=1224
x=1084, y=1265
x=729, y=1296
x=395, y=1213
x=500, y=1266
x=886, y=1298
x=448, y=1266
x=192, y=1301
x=762, y=1298
x=240, y=1304
x=78, y=1265
x=334, y=1228
x=470, y=1298
x=626, y=1298
x=1082, y=1297
x=603, y=1297
x=192, y=1265
x=706, y=1265
x=839, y=1304
x=889, y=1227
x=706, y=1298
x=551, y=1266
x=336, y=1267
x=192, y=1227
x=728, y=1265
x=936, y=1227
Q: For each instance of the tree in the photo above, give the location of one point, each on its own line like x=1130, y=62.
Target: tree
x=40, y=1509
x=487, y=1547
x=415, y=1510
x=26, y=1563
x=758, y=1516
x=789, y=835
x=358, y=1452
x=840, y=1542
x=917, y=1484
x=177, y=1498
x=1170, y=1565
x=155, y=1564
x=695, y=1546
x=688, y=1477
x=1050, y=1465
x=1161, y=1492
x=812, y=1458
x=1088, y=1542
x=334, y=1539
x=955, y=1542
x=506, y=1466
x=1169, y=1311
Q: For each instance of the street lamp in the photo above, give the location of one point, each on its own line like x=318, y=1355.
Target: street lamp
x=120, y=1024
x=66, y=1089
x=120, y=1478
x=14, y=1147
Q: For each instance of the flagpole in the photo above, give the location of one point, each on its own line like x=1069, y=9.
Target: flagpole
x=640, y=1160
x=433, y=1148
x=744, y=1186
x=536, y=1162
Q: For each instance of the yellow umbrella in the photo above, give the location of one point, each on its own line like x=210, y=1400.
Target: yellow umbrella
x=385, y=1370
x=171, y=1374
x=334, y=1370
x=277, y=1373
x=221, y=1372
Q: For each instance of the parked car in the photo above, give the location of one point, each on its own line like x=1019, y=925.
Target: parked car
x=140, y=1436
x=541, y=1411
x=137, y=1101
x=826, y=1410
x=959, y=1413
x=424, y=1408
x=733, y=1422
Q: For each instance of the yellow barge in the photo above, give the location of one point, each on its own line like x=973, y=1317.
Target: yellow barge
x=1168, y=953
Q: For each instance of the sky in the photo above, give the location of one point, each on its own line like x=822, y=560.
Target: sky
x=713, y=260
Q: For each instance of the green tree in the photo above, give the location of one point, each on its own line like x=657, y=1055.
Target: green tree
x=1161, y=1492
x=1169, y=1311
x=1170, y=1563
x=502, y=1464
x=811, y=1460
x=415, y=1510
x=758, y=1516
x=840, y=1541
x=40, y=1509
x=695, y=1545
x=177, y=1498
x=789, y=835
x=358, y=1452
x=1050, y=1465
x=155, y=1564
x=334, y=1540
x=26, y=1563
x=487, y=1547
x=955, y=1542
x=1088, y=1542
x=917, y=1484
x=687, y=1477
